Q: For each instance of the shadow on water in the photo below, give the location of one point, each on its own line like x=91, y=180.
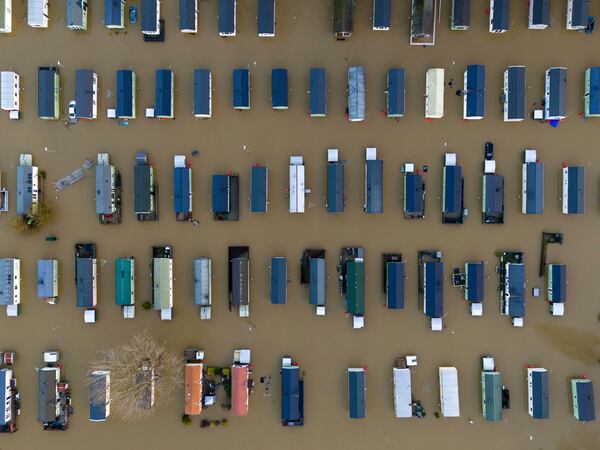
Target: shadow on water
x=582, y=346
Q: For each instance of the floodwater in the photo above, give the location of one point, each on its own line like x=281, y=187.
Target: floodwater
x=323, y=346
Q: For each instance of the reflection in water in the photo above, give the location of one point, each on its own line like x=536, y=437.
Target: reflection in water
x=580, y=345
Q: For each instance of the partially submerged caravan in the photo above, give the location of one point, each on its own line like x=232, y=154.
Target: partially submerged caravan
x=145, y=189
x=395, y=93
x=312, y=275
x=5, y=16
x=491, y=391
x=318, y=92
x=351, y=267
x=240, y=383
x=556, y=288
x=227, y=18
x=99, y=381
x=108, y=191
x=47, y=280
x=449, y=400
x=278, y=280
x=460, y=17
x=514, y=94
x=279, y=89
x=241, y=89
x=343, y=16
x=225, y=199
x=292, y=394
x=114, y=14
x=9, y=92
x=48, y=93
x=422, y=22
x=126, y=95
x=393, y=280
x=453, y=191
x=10, y=406
x=77, y=12
x=582, y=399
x=434, y=94
x=474, y=92
x=86, y=284
x=162, y=281
x=335, y=199
x=577, y=14
x=188, y=16
x=266, y=18
x=414, y=192
x=591, y=95
x=297, y=189
x=401, y=376
x=259, y=189
x=194, y=383
x=492, y=198
x=182, y=189
x=54, y=395
x=202, y=93
x=150, y=18
x=499, y=16
x=164, y=106
x=538, y=398
x=357, y=392
x=511, y=271
x=86, y=94
x=573, y=190
x=28, y=186
x=555, y=97
x=539, y=14
x=239, y=280
x=125, y=286
x=431, y=286
x=37, y=13
x=203, y=286
x=532, y=186
x=356, y=94
x=471, y=282
x=10, y=285
x=373, y=182
x=382, y=15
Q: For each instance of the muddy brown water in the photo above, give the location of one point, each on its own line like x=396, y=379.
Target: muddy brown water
x=324, y=347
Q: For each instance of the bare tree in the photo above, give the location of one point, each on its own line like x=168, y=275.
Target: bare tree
x=143, y=376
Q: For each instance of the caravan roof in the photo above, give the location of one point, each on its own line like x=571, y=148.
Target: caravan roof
x=292, y=396
x=402, y=392
x=355, y=287
x=374, y=186
x=227, y=17
x=395, y=92
x=266, y=18
x=278, y=285
x=202, y=93
x=474, y=281
x=258, y=189
x=433, y=288
x=449, y=400
x=316, y=294
x=395, y=284
x=99, y=395
x=335, y=186
x=279, y=88
x=357, y=390
x=125, y=93
x=164, y=100
x=239, y=390
x=193, y=389
x=356, y=94
x=318, y=92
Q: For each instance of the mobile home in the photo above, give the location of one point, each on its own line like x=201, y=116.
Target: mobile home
x=382, y=15
x=460, y=17
x=335, y=182
x=297, y=191
x=292, y=394
x=395, y=93
x=162, y=281
x=150, y=17
x=182, y=189
x=10, y=285
x=312, y=275
x=582, y=396
x=193, y=388
x=145, y=189
x=266, y=18
x=591, y=95
x=227, y=18
x=37, y=13
x=357, y=392
x=114, y=14
x=402, y=392
x=47, y=280
x=514, y=94
x=125, y=286
x=538, y=399
x=356, y=94
x=5, y=16
x=86, y=94
x=474, y=284
x=318, y=92
x=164, y=107
x=126, y=96
x=343, y=17
x=279, y=89
x=9, y=90
x=239, y=280
x=77, y=11
x=86, y=274
x=203, y=286
x=202, y=93
x=491, y=392
x=492, y=198
x=556, y=288
x=49, y=408
x=532, y=186
x=351, y=267
x=241, y=89
x=539, y=14
x=555, y=98
x=434, y=94
x=573, y=189
x=577, y=14
x=9, y=404
x=499, y=16
x=225, y=197
x=107, y=190
x=278, y=280
x=414, y=193
x=259, y=189
x=188, y=16
x=28, y=188
x=99, y=395
x=239, y=390
x=393, y=281
x=511, y=271
x=453, y=191
x=373, y=182
x=422, y=22
x=449, y=400
x=48, y=93
x=474, y=95
x=433, y=291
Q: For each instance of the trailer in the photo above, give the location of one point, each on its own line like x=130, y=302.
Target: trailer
x=278, y=280
x=225, y=198
x=357, y=392
x=76, y=17
x=126, y=94
x=474, y=92
x=492, y=198
x=202, y=93
x=538, y=396
x=373, y=182
x=125, y=286
x=351, y=267
x=449, y=400
x=356, y=94
x=532, y=186
x=434, y=94
x=150, y=20
x=573, y=190
x=499, y=16
x=239, y=280
x=108, y=191
x=292, y=394
x=297, y=189
x=577, y=14
x=312, y=275
x=259, y=189
x=48, y=93
x=555, y=97
x=241, y=89
x=188, y=16
x=145, y=189
x=395, y=93
x=453, y=191
x=318, y=92
x=539, y=14
x=86, y=94
x=182, y=189
x=227, y=18
x=266, y=18
x=414, y=192
x=99, y=382
x=86, y=280
x=335, y=200
x=382, y=15
x=402, y=392
x=203, y=286
x=9, y=91
x=393, y=271
x=514, y=94
x=164, y=107
x=162, y=281
x=591, y=94
x=47, y=280
x=279, y=89
x=114, y=14
x=10, y=285
x=511, y=272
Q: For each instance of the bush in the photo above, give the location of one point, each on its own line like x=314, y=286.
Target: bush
x=146, y=305
x=186, y=420
x=32, y=222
